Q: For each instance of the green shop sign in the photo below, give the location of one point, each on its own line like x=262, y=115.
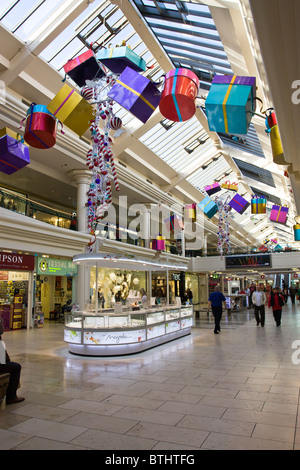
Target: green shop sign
x=59, y=267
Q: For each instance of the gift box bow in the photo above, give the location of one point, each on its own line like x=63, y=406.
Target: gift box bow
x=229, y=185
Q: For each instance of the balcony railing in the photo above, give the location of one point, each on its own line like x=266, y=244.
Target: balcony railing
x=23, y=205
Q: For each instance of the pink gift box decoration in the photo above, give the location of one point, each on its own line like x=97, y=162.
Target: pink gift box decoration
x=174, y=223
x=159, y=244
x=13, y=155
x=212, y=188
x=190, y=211
x=279, y=214
x=84, y=67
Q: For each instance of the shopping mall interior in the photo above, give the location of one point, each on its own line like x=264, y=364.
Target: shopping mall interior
x=149, y=155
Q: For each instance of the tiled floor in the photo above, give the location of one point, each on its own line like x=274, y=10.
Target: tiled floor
x=235, y=390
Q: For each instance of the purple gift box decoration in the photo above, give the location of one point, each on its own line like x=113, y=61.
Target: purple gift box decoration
x=135, y=93
x=212, y=188
x=279, y=214
x=239, y=203
x=13, y=155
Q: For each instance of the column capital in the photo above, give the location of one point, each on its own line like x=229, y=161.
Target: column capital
x=83, y=176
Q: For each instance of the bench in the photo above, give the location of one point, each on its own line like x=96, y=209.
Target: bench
x=4, y=380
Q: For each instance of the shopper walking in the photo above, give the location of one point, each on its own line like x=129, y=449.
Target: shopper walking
x=14, y=369
x=276, y=301
x=292, y=293
x=259, y=299
x=216, y=301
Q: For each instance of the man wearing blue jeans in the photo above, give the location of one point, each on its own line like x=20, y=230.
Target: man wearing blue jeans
x=215, y=301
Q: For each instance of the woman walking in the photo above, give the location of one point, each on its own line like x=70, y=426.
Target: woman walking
x=276, y=301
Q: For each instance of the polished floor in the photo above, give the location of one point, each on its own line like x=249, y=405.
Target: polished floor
x=236, y=390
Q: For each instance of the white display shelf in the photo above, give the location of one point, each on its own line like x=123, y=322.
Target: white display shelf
x=109, y=334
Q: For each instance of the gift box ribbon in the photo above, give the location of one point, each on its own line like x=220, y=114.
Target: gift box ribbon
x=64, y=102
x=224, y=103
x=136, y=93
x=174, y=96
x=9, y=164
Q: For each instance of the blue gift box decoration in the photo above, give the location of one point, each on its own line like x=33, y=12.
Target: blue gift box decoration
x=135, y=93
x=230, y=104
x=118, y=58
x=297, y=232
x=208, y=206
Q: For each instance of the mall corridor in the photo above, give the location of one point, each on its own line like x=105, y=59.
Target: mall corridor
x=236, y=390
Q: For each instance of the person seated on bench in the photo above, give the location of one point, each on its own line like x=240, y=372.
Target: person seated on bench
x=14, y=369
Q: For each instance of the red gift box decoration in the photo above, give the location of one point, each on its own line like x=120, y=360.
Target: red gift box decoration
x=40, y=128
x=178, y=98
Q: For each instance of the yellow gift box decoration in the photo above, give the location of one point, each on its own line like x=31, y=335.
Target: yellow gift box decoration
x=231, y=186
x=190, y=212
x=71, y=109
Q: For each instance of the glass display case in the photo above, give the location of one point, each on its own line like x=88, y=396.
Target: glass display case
x=107, y=333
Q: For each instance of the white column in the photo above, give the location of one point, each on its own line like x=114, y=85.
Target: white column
x=204, y=248
x=83, y=180
x=145, y=232
x=182, y=243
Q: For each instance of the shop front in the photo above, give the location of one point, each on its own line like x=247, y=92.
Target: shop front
x=54, y=287
x=16, y=278
x=116, y=285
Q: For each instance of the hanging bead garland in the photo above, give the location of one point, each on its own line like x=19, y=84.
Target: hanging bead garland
x=223, y=245
x=100, y=158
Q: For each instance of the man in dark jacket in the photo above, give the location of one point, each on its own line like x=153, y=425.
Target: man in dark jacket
x=215, y=301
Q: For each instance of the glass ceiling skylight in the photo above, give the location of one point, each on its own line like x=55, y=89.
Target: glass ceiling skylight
x=187, y=32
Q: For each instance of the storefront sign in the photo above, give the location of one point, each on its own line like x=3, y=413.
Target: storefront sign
x=16, y=261
x=59, y=267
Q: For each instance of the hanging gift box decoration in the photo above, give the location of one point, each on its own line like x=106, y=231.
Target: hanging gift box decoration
x=276, y=145
x=178, y=98
x=263, y=248
x=297, y=232
x=258, y=205
x=71, y=109
x=190, y=212
x=84, y=67
x=159, y=243
x=174, y=223
x=278, y=248
x=40, y=127
x=239, y=203
x=135, y=93
x=230, y=104
x=208, y=206
x=118, y=58
x=212, y=188
x=230, y=186
x=14, y=155
x=279, y=214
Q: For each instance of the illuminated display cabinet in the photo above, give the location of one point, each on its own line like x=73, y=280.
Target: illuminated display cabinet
x=107, y=333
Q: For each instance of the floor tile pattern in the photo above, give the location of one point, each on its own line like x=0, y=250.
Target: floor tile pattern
x=235, y=390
